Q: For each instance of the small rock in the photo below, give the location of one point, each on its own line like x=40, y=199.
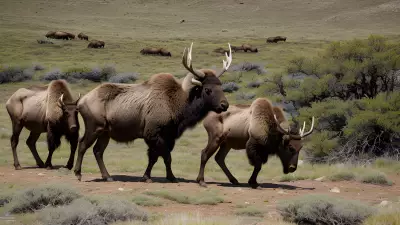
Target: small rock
x=120, y=189
x=384, y=203
x=246, y=203
x=320, y=178
x=40, y=174
x=335, y=190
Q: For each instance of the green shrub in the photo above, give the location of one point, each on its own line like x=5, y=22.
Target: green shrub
x=83, y=212
x=321, y=209
x=375, y=178
x=207, y=198
x=342, y=175
x=144, y=200
x=249, y=211
x=36, y=198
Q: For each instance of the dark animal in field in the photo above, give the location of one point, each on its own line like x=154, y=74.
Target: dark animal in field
x=258, y=128
x=158, y=110
x=245, y=48
x=155, y=51
x=276, y=39
x=222, y=50
x=83, y=36
x=60, y=35
x=182, y=21
x=96, y=44
x=44, y=42
x=49, y=109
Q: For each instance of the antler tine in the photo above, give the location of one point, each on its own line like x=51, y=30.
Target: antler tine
x=228, y=61
x=187, y=62
x=311, y=129
x=302, y=129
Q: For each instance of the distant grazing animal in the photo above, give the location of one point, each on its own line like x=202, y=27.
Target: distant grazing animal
x=83, y=36
x=276, y=39
x=96, y=44
x=222, y=50
x=50, y=109
x=245, y=48
x=44, y=42
x=258, y=128
x=60, y=35
x=155, y=51
x=158, y=110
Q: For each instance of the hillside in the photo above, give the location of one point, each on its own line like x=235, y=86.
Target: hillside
x=311, y=19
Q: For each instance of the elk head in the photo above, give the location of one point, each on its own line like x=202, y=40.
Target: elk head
x=207, y=82
x=291, y=145
x=70, y=113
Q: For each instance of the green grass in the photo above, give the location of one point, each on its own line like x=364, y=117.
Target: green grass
x=249, y=211
x=342, y=175
x=204, y=198
x=144, y=200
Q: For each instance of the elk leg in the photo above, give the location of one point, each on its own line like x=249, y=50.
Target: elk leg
x=220, y=159
x=17, y=127
x=98, y=151
x=167, y=161
x=53, y=142
x=153, y=157
x=255, y=159
x=73, y=145
x=86, y=141
x=253, y=179
x=206, y=153
x=31, y=142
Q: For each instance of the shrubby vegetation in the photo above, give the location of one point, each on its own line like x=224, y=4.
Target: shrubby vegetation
x=230, y=87
x=10, y=74
x=247, y=66
x=321, y=209
x=353, y=91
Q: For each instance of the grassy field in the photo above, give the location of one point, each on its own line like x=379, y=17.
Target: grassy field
x=127, y=27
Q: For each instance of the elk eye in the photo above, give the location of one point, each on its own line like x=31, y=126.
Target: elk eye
x=208, y=91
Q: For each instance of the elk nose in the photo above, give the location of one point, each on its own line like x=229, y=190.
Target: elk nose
x=73, y=128
x=224, y=105
x=292, y=168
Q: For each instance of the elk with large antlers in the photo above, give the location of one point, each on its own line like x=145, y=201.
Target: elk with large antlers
x=158, y=111
x=260, y=129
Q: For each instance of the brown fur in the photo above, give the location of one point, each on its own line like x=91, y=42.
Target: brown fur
x=96, y=44
x=83, y=36
x=252, y=128
x=158, y=110
x=276, y=39
x=245, y=48
x=60, y=35
x=155, y=51
x=39, y=109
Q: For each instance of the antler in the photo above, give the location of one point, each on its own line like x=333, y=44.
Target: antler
x=301, y=131
x=61, y=100
x=187, y=63
x=226, y=63
x=79, y=97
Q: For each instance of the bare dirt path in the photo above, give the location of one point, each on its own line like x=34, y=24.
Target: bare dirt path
x=265, y=197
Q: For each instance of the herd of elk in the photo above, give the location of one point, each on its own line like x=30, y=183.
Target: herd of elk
x=159, y=111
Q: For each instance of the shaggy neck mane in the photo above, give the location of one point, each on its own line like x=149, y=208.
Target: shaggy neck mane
x=54, y=91
x=194, y=111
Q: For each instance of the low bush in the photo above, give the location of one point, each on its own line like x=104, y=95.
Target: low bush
x=321, y=209
x=15, y=74
x=342, y=175
x=32, y=199
x=249, y=211
x=144, y=200
x=84, y=212
x=201, y=199
x=74, y=74
x=247, y=66
x=124, y=78
x=375, y=178
x=254, y=84
x=245, y=96
x=230, y=87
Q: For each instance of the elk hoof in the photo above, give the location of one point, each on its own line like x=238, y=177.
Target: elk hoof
x=253, y=185
x=109, y=179
x=234, y=182
x=18, y=167
x=49, y=167
x=146, y=179
x=69, y=167
x=172, y=179
x=78, y=176
x=202, y=184
x=40, y=165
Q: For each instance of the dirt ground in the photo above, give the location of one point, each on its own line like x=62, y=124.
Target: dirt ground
x=266, y=196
